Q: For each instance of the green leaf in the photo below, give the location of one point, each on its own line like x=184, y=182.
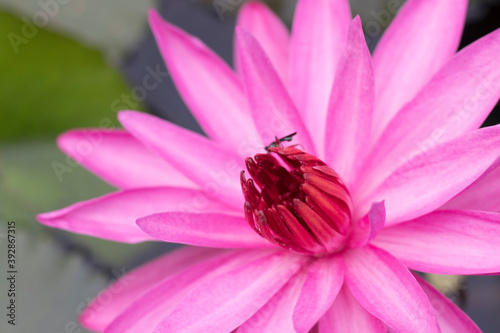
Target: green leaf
x=50, y=83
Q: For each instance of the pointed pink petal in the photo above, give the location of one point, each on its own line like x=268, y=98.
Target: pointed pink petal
x=113, y=216
x=324, y=279
x=349, y=120
x=429, y=180
x=446, y=242
x=207, y=85
x=151, y=308
x=276, y=314
x=410, y=53
x=450, y=318
x=272, y=108
x=482, y=195
x=456, y=101
x=319, y=35
x=224, y=303
x=120, y=159
x=202, y=229
x=106, y=306
x=214, y=168
x=347, y=315
x=271, y=33
x=386, y=289
x=369, y=226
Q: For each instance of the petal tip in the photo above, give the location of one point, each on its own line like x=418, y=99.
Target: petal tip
x=44, y=218
x=125, y=116
x=252, y=4
x=356, y=20
x=66, y=140
x=254, y=7
x=50, y=218
x=53, y=220
x=154, y=17
x=85, y=319
x=142, y=223
x=163, y=30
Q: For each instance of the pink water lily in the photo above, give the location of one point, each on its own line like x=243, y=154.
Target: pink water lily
x=387, y=173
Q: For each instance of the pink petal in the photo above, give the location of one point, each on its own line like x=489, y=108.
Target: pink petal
x=148, y=311
x=214, y=168
x=262, y=23
x=369, y=226
x=347, y=315
x=319, y=35
x=324, y=279
x=429, y=180
x=202, y=229
x=482, y=195
x=386, y=289
x=120, y=159
x=123, y=292
x=209, y=87
x=410, y=53
x=276, y=314
x=450, y=318
x=446, y=242
x=349, y=120
x=456, y=101
x=224, y=303
x=113, y=216
x=272, y=108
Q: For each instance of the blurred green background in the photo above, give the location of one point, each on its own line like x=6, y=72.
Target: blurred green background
x=65, y=72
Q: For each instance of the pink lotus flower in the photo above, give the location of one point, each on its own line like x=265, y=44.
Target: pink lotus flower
x=388, y=172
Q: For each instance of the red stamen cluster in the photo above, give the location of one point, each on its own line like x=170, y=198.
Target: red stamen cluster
x=302, y=204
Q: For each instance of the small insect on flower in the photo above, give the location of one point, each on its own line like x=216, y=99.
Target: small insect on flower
x=277, y=142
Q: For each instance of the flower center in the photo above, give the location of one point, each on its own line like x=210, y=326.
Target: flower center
x=302, y=204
